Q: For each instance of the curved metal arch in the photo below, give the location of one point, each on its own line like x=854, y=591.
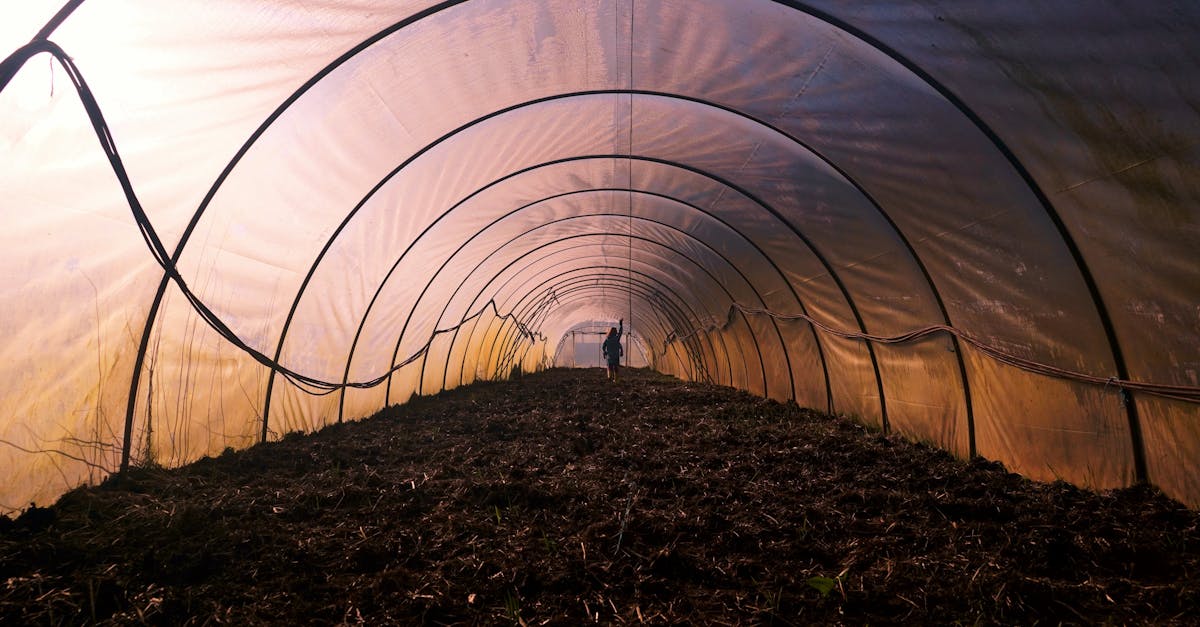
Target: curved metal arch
x=687, y=302
x=569, y=291
x=896, y=230
x=429, y=284
x=642, y=343
x=396, y=349
x=56, y=21
x=336, y=233
x=1134, y=423
x=681, y=319
x=657, y=326
x=304, y=284
x=671, y=304
x=683, y=322
x=185, y=237
x=582, y=293
x=810, y=149
x=1102, y=311
x=542, y=311
x=511, y=175
x=383, y=181
x=749, y=284
x=720, y=180
x=693, y=349
x=816, y=252
x=571, y=295
x=499, y=219
x=753, y=334
x=647, y=347
x=152, y=314
x=762, y=204
x=642, y=340
x=558, y=347
x=833, y=274
x=346, y=220
x=791, y=288
x=767, y=257
x=1119, y=361
x=729, y=262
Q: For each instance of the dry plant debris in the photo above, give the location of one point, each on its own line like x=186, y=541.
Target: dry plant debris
x=560, y=499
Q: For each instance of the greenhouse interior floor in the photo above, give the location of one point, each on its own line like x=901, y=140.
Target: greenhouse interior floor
x=559, y=498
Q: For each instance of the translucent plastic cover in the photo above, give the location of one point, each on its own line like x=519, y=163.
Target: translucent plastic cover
x=972, y=223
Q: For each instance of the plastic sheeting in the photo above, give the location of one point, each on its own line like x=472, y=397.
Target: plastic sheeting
x=972, y=223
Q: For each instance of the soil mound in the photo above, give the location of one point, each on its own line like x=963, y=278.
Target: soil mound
x=561, y=499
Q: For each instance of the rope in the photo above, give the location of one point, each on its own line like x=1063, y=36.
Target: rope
x=312, y=385
x=1187, y=394
x=158, y=251
x=629, y=164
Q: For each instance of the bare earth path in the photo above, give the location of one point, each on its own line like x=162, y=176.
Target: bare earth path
x=560, y=499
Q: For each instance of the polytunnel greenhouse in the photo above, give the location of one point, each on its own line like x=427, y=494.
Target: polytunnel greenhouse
x=967, y=224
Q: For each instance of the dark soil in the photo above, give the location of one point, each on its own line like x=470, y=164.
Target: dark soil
x=559, y=499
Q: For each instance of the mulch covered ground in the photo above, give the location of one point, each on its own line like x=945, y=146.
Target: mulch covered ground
x=559, y=499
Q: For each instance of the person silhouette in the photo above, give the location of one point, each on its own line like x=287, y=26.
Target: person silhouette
x=612, y=349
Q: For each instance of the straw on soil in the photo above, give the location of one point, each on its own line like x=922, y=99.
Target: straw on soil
x=561, y=499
